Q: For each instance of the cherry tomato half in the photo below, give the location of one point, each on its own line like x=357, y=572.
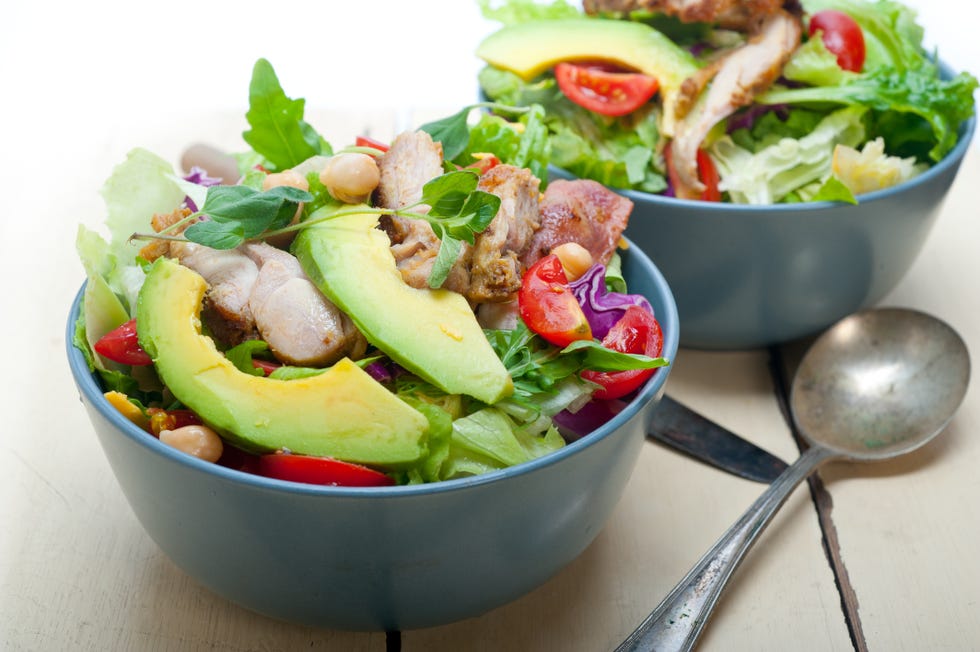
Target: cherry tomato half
x=707, y=172
x=122, y=345
x=842, y=36
x=367, y=141
x=266, y=366
x=549, y=307
x=637, y=331
x=484, y=163
x=320, y=470
x=603, y=88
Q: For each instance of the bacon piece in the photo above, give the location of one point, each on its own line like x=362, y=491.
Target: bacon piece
x=741, y=75
x=740, y=15
x=582, y=211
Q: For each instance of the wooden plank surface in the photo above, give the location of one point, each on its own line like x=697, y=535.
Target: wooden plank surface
x=78, y=572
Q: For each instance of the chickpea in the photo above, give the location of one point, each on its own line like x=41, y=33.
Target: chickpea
x=290, y=178
x=200, y=441
x=575, y=259
x=293, y=179
x=351, y=177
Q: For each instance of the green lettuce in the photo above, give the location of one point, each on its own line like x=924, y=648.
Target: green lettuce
x=617, y=152
x=511, y=12
x=769, y=175
x=914, y=110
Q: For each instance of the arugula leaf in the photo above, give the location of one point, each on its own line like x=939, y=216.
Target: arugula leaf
x=278, y=131
x=451, y=131
x=537, y=367
x=598, y=358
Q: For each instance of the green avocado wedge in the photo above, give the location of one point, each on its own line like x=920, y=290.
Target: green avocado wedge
x=341, y=413
x=531, y=48
x=432, y=333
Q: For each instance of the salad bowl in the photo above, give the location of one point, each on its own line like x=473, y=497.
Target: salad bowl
x=380, y=558
x=775, y=198
x=749, y=276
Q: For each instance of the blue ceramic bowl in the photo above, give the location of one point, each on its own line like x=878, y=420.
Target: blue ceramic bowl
x=380, y=558
x=753, y=276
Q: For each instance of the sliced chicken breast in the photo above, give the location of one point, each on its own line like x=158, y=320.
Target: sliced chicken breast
x=741, y=75
x=301, y=326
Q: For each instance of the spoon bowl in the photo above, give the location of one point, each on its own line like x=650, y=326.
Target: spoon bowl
x=878, y=384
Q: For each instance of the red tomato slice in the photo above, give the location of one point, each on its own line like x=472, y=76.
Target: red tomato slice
x=549, y=307
x=122, y=345
x=707, y=172
x=637, y=331
x=367, y=141
x=603, y=88
x=266, y=366
x=320, y=470
x=483, y=164
x=841, y=35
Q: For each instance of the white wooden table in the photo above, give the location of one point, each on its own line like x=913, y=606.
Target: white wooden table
x=876, y=557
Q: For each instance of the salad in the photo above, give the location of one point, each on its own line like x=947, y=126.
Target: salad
x=377, y=314
x=754, y=103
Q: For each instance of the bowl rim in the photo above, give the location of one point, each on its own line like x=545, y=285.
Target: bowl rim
x=90, y=390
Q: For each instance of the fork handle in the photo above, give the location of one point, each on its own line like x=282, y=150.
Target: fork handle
x=677, y=622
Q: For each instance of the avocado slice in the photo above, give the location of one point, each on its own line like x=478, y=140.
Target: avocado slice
x=432, y=333
x=529, y=49
x=341, y=413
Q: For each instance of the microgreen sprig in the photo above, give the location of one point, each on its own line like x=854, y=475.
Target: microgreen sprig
x=237, y=214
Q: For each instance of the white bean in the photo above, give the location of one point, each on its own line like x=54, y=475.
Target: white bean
x=351, y=177
x=575, y=259
x=199, y=441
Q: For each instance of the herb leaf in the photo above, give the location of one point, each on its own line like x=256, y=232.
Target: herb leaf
x=452, y=132
x=447, y=193
x=449, y=249
x=239, y=213
x=458, y=212
x=278, y=131
x=217, y=235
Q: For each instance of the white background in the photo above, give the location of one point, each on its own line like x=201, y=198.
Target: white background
x=115, y=61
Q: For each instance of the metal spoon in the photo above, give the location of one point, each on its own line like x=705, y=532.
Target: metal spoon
x=878, y=384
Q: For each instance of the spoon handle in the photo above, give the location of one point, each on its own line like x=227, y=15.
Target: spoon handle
x=677, y=622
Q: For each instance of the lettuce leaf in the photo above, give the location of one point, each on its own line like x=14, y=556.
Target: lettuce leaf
x=916, y=111
x=511, y=12
x=774, y=172
x=616, y=152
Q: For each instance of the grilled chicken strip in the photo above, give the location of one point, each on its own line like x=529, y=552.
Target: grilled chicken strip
x=495, y=268
x=582, y=211
x=230, y=275
x=301, y=326
x=741, y=75
x=742, y=15
x=412, y=160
